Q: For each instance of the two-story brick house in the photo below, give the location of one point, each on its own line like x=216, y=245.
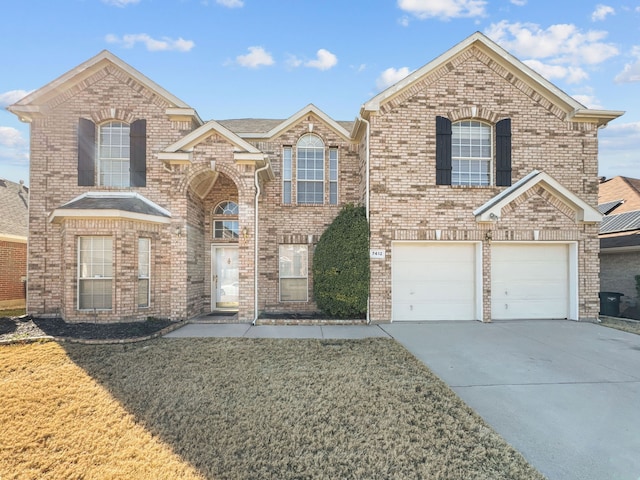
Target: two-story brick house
x=479, y=179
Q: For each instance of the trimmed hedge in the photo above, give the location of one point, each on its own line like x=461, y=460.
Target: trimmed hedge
x=341, y=265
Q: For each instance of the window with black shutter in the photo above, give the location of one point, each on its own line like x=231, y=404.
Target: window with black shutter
x=443, y=151
x=503, y=153
x=86, y=152
x=138, y=151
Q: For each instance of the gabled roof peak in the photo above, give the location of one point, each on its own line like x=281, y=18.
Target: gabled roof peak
x=31, y=105
x=574, y=109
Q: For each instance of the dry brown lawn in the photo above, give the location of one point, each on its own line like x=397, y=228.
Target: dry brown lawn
x=630, y=326
x=239, y=408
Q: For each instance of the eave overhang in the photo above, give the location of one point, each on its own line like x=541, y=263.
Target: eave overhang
x=491, y=211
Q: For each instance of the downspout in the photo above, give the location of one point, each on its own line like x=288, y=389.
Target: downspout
x=256, y=245
x=366, y=202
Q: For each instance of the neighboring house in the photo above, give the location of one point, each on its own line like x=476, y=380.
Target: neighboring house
x=479, y=179
x=619, y=201
x=14, y=227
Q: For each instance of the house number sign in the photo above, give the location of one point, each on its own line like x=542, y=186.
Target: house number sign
x=376, y=254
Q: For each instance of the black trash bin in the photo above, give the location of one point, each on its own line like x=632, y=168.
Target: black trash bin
x=610, y=303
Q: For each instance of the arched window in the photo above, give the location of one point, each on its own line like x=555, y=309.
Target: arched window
x=114, y=154
x=225, y=222
x=310, y=169
x=471, y=153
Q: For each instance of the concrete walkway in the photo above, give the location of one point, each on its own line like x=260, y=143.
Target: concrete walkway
x=565, y=394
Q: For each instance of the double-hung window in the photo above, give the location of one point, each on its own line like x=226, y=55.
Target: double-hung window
x=144, y=272
x=294, y=278
x=333, y=176
x=310, y=170
x=471, y=153
x=95, y=273
x=113, y=154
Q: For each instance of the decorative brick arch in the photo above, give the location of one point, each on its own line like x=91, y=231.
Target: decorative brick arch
x=124, y=115
x=473, y=112
x=194, y=171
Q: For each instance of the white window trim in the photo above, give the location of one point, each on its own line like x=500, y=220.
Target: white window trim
x=289, y=177
x=324, y=169
x=222, y=217
x=100, y=159
x=80, y=278
x=490, y=158
x=281, y=277
x=337, y=180
x=142, y=277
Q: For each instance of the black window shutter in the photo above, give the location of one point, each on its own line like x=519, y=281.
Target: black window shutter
x=503, y=153
x=138, y=153
x=443, y=151
x=86, y=152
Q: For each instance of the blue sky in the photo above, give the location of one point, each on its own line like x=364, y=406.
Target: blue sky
x=270, y=58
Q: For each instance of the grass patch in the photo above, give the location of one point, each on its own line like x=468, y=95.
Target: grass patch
x=240, y=408
x=621, y=324
x=14, y=312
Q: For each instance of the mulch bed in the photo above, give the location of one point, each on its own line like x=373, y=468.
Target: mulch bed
x=25, y=328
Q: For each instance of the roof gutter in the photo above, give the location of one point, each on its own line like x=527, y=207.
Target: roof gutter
x=256, y=244
x=366, y=199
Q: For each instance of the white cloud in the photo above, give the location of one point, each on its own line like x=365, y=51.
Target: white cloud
x=631, y=72
x=619, y=144
x=230, y=3
x=11, y=137
x=257, y=57
x=293, y=61
x=391, y=76
x=403, y=21
x=443, y=9
x=559, y=45
x=589, y=101
x=11, y=97
x=601, y=12
x=14, y=152
x=570, y=74
x=519, y=3
x=152, y=44
x=120, y=3
x=324, y=60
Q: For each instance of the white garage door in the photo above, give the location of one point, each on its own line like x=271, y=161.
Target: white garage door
x=434, y=281
x=529, y=281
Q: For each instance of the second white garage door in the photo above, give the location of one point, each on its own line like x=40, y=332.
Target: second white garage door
x=530, y=281
x=435, y=281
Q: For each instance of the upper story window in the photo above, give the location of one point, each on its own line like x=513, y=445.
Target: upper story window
x=225, y=223
x=310, y=169
x=466, y=152
x=309, y=163
x=113, y=154
x=471, y=153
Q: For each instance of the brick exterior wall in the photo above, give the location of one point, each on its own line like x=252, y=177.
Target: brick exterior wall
x=406, y=203
x=13, y=265
x=618, y=272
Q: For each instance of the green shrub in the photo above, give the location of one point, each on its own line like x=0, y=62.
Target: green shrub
x=341, y=265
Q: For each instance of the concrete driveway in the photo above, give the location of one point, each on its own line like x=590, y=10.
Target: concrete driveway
x=565, y=394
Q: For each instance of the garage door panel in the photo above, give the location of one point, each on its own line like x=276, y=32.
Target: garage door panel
x=445, y=310
x=529, y=281
x=434, y=281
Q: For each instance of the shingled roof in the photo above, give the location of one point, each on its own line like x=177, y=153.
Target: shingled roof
x=14, y=204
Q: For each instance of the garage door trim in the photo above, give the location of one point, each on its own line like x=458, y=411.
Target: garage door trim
x=573, y=274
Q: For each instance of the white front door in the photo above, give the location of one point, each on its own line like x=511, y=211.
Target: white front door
x=224, y=277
